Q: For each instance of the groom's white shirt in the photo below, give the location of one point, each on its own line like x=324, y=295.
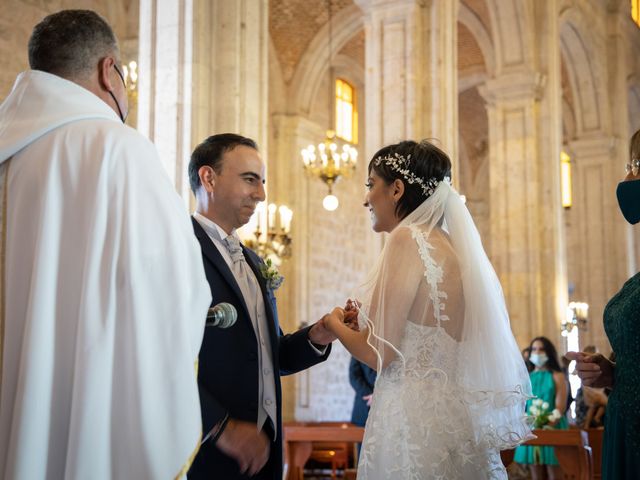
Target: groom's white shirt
x=105, y=295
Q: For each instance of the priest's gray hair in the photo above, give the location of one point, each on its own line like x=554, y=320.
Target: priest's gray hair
x=70, y=43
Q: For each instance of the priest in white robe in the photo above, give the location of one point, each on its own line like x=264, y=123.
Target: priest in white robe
x=103, y=293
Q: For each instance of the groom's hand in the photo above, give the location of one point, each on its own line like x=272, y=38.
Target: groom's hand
x=320, y=333
x=246, y=445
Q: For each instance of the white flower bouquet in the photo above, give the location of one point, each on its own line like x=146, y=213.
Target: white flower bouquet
x=543, y=416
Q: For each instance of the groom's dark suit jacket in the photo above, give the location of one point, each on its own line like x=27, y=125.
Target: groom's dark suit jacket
x=228, y=364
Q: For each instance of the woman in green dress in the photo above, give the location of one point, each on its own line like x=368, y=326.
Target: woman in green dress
x=549, y=384
x=621, y=443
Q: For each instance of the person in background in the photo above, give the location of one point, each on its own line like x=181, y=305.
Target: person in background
x=526, y=353
x=548, y=383
x=621, y=442
x=362, y=378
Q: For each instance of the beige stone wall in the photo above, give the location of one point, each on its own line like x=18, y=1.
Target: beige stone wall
x=18, y=17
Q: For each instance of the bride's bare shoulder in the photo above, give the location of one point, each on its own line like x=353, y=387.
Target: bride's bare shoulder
x=402, y=237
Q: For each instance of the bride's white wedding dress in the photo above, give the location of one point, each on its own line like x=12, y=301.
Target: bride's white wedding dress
x=421, y=424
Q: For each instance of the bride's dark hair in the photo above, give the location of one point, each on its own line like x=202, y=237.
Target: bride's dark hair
x=426, y=161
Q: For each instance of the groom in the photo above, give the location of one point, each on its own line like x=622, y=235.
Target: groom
x=240, y=367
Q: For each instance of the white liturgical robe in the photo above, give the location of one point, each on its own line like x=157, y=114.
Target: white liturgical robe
x=104, y=295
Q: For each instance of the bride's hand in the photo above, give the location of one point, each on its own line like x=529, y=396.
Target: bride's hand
x=351, y=319
x=352, y=305
x=333, y=320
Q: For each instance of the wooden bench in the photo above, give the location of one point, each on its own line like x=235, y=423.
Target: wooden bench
x=595, y=442
x=571, y=447
x=300, y=438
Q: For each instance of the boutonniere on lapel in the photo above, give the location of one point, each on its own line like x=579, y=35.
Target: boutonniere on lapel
x=271, y=274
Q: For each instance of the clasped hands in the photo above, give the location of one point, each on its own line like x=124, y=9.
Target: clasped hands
x=324, y=330
x=341, y=317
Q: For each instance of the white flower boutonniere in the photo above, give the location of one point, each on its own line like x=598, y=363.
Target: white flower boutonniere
x=271, y=275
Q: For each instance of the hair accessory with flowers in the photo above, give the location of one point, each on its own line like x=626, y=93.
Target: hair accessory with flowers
x=400, y=164
x=271, y=274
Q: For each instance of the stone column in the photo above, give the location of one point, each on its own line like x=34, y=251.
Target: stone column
x=332, y=251
x=411, y=72
x=526, y=227
x=291, y=133
x=203, y=70
x=230, y=65
x=601, y=230
x=515, y=199
x=619, y=69
x=164, y=84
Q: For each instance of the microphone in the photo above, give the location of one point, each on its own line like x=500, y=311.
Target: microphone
x=223, y=315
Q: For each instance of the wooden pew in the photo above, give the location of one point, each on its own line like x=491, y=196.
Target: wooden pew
x=571, y=447
x=595, y=442
x=299, y=439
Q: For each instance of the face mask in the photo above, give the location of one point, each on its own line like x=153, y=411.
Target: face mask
x=120, y=114
x=538, y=359
x=123, y=117
x=629, y=200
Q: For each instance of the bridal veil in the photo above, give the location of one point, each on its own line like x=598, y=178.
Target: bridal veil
x=462, y=295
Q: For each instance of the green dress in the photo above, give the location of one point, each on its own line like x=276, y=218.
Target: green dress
x=621, y=444
x=543, y=387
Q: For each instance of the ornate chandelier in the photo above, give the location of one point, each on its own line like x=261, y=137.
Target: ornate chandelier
x=330, y=160
x=270, y=235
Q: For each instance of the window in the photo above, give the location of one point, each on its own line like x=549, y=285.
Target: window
x=635, y=11
x=565, y=179
x=346, y=112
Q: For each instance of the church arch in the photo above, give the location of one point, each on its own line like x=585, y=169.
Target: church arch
x=578, y=53
x=314, y=63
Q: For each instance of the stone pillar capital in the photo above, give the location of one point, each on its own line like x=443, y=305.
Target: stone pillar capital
x=595, y=146
x=368, y=5
x=514, y=87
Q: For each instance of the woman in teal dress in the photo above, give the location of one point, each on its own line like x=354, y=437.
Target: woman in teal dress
x=621, y=443
x=549, y=384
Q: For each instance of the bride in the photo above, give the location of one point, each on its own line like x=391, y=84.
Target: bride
x=452, y=385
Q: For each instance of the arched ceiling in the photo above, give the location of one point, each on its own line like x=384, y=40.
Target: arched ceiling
x=294, y=23
x=354, y=48
x=469, y=53
x=480, y=9
x=568, y=114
